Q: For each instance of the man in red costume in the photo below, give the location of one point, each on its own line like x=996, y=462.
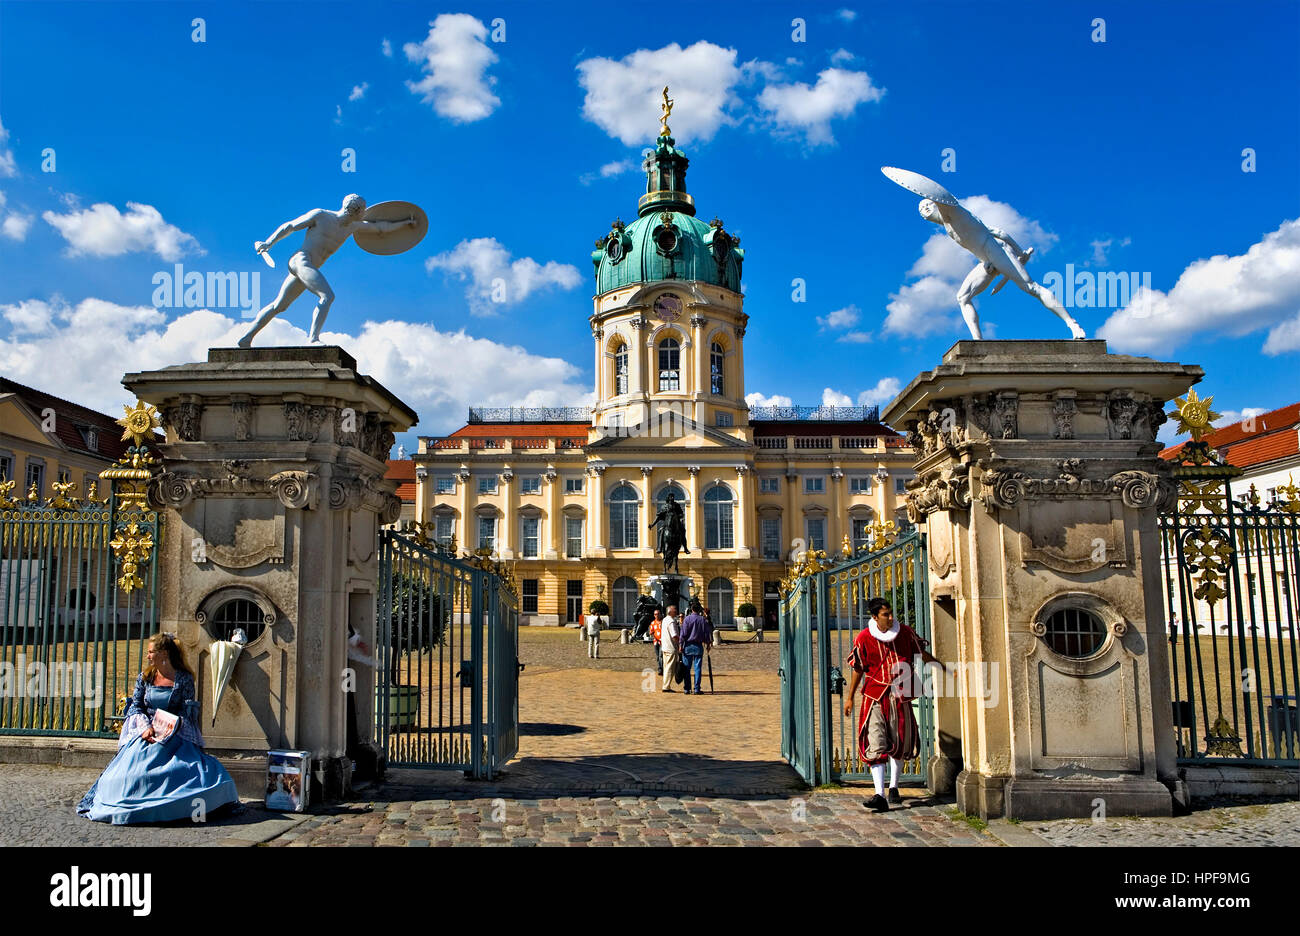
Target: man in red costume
x=884, y=653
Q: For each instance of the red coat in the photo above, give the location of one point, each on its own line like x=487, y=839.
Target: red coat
x=881, y=663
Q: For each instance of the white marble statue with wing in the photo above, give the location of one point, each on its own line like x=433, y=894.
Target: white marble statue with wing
x=997, y=251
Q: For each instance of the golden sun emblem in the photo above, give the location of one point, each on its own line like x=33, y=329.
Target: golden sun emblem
x=139, y=422
x=1194, y=415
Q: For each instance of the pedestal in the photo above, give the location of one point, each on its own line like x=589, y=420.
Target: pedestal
x=274, y=490
x=1038, y=481
x=672, y=589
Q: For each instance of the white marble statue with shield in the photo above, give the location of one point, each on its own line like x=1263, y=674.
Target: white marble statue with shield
x=997, y=251
x=386, y=228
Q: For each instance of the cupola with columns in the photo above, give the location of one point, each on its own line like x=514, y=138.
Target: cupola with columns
x=668, y=321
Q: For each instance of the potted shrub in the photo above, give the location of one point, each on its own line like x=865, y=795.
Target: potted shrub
x=745, y=615
x=597, y=609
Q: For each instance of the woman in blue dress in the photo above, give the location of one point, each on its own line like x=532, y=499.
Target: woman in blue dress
x=160, y=781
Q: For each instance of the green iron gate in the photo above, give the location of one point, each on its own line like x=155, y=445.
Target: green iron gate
x=78, y=595
x=815, y=647
x=448, y=650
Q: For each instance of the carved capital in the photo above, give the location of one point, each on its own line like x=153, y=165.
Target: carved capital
x=1063, y=411
x=698, y=321
x=171, y=490
x=241, y=415
x=391, y=511
x=184, y=419
x=693, y=470
x=345, y=493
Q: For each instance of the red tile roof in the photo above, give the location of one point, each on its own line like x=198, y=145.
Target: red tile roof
x=1274, y=436
x=402, y=470
x=70, y=418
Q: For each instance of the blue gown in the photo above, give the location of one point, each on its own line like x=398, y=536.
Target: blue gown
x=162, y=781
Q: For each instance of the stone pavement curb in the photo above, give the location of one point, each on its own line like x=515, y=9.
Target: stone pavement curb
x=1016, y=835
x=265, y=831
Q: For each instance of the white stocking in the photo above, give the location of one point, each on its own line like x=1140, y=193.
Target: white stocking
x=893, y=773
x=878, y=778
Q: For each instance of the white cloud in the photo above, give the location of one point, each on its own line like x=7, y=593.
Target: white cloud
x=809, y=110
x=609, y=170
x=103, y=231
x=8, y=167
x=758, y=399
x=847, y=15
x=15, y=226
x=929, y=304
x=92, y=339
x=840, y=56
x=835, y=398
x=1231, y=295
x=359, y=91
x=855, y=337
x=846, y=317
x=496, y=280
x=886, y=389
x=623, y=96
x=455, y=57
x=387, y=48
x=793, y=61
x=1101, y=249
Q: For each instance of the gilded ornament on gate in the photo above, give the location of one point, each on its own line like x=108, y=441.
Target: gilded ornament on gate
x=1194, y=415
x=6, y=487
x=132, y=547
x=139, y=422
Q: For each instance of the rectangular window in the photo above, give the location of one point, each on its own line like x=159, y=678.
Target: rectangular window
x=487, y=485
x=573, y=485
x=530, y=485
x=35, y=475
x=860, y=537
x=444, y=529
x=529, y=539
x=898, y=485
x=444, y=484
x=530, y=596
x=87, y=481
x=573, y=537
x=65, y=475
x=816, y=532
x=815, y=485
x=6, y=467
x=1250, y=583
x=723, y=419
x=771, y=537
x=860, y=485
x=487, y=533
x=769, y=485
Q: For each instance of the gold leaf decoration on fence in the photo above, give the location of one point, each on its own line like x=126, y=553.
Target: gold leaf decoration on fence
x=132, y=547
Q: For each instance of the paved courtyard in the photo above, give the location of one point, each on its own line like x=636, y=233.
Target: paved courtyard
x=607, y=759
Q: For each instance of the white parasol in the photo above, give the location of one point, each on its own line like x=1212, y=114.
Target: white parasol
x=221, y=664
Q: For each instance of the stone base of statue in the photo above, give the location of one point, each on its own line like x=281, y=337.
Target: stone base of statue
x=669, y=589
x=273, y=494
x=1038, y=478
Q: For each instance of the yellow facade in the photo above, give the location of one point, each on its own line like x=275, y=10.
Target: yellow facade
x=43, y=441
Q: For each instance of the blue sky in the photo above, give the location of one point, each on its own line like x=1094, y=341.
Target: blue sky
x=1117, y=156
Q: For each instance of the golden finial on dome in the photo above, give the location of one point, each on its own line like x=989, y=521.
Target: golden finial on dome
x=667, y=108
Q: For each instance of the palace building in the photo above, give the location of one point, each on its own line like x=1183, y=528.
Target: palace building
x=568, y=495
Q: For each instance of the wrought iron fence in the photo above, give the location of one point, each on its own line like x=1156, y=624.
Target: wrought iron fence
x=1229, y=568
x=78, y=593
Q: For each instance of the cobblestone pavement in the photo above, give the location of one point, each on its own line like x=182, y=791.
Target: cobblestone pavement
x=404, y=817
x=1214, y=823
x=39, y=808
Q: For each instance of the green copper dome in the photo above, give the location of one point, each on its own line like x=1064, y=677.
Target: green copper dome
x=667, y=241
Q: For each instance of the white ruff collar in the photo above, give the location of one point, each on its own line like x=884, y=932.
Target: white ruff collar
x=883, y=636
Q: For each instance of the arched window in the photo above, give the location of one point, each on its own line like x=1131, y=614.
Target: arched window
x=717, y=518
x=624, y=607
x=670, y=365
x=715, y=369
x=675, y=490
x=901, y=521
x=722, y=602
x=620, y=369
x=623, y=522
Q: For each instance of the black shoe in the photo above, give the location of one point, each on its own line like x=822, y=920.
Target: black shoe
x=894, y=796
x=877, y=803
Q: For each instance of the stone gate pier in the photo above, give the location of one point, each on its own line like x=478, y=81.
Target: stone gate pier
x=1038, y=484
x=274, y=489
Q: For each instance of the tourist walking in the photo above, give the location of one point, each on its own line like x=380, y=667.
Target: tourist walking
x=884, y=651
x=670, y=647
x=594, y=624
x=696, y=636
